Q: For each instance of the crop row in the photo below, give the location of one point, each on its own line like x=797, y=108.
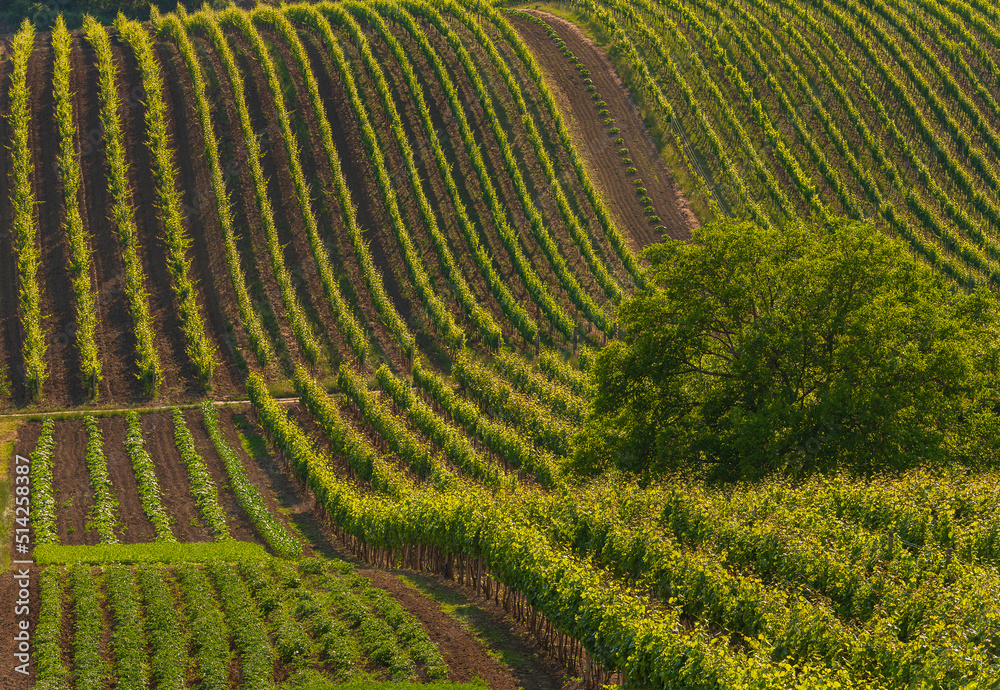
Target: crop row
x=436, y=308
x=504, y=440
x=79, y=240
x=209, y=631
x=417, y=454
x=514, y=312
x=301, y=327
x=245, y=624
x=524, y=378
x=104, y=513
x=452, y=441
x=145, y=474
x=50, y=672
x=202, y=485
x=308, y=16
x=342, y=313
x=537, y=224
x=25, y=227
x=611, y=231
x=90, y=670
x=43, y=500
x=501, y=400
x=167, y=635
x=292, y=645
x=128, y=633
x=577, y=234
x=347, y=441
x=171, y=26
x=539, y=292
x=576, y=600
x=247, y=494
x=122, y=211
x=198, y=347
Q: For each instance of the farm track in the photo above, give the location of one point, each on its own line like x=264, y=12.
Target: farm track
x=594, y=143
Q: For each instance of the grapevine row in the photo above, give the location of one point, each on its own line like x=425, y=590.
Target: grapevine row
x=376, y=288
x=341, y=311
x=536, y=288
x=346, y=441
x=525, y=379
x=297, y=319
x=611, y=231
x=79, y=240
x=449, y=438
x=50, y=672
x=558, y=371
x=480, y=317
x=171, y=26
x=501, y=400
x=25, y=228
x=514, y=312
x=199, y=349
x=566, y=279
x=574, y=598
x=580, y=239
x=122, y=211
x=435, y=306
x=502, y=439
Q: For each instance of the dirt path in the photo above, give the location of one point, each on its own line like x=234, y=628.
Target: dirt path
x=593, y=142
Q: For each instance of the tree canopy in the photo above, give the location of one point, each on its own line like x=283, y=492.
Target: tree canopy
x=813, y=345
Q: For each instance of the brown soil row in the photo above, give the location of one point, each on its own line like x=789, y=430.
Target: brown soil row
x=593, y=142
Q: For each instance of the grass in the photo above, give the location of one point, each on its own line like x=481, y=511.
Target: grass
x=322, y=684
x=160, y=552
x=8, y=436
x=468, y=614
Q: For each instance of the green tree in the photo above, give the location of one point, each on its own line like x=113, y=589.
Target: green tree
x=810, y=346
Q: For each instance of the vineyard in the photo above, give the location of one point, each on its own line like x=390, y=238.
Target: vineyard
x=297, y=329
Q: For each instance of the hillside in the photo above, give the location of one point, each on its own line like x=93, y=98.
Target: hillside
x=301, y=303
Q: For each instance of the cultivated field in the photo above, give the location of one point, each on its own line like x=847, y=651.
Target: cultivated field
x=300, y=309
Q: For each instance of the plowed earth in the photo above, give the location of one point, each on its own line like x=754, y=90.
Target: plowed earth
x=597, y=147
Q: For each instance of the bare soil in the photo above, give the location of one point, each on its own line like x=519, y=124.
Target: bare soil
x=71, y=484
x=593, y=142
x=136, y=527
x=158, y=430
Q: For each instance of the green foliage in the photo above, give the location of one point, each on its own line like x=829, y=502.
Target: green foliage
x=104, y=513
x=159, y=552
x=167, y=637
x=50, y=672
x=90, y=670
x=202, y=485
x=247, y=494
x=209, y=631
x=43, y=502
x=128, y=634
x=25, y=228
x=198, y=346
x=246, y=625
x=145, y=475
x=79, y=239
x=122, y=212
x=815, y=346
